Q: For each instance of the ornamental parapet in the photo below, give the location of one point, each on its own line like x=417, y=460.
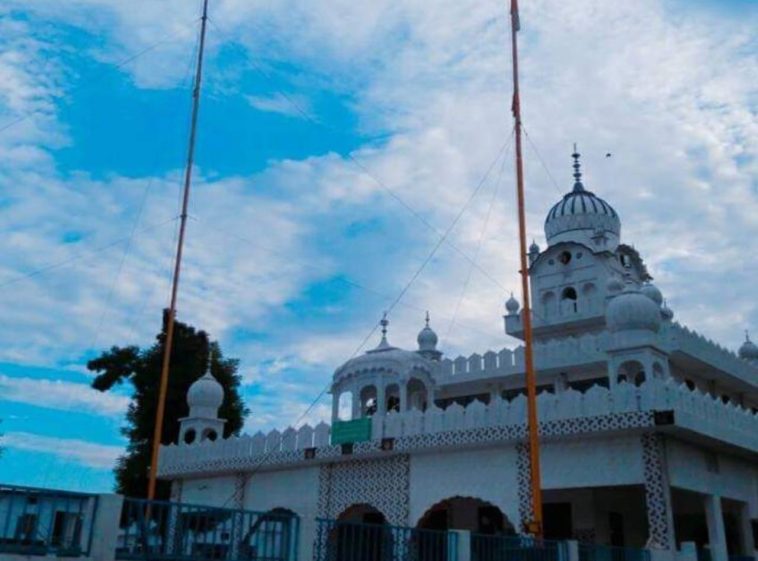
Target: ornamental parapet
x=557, y=353
x=692, y=343
x=623, y=407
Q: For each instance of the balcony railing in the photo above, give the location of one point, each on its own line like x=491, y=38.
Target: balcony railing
x=45, y=521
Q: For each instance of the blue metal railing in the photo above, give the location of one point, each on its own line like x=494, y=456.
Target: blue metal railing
x=511, y=548
x=594, y=552
x=46, y=521
x=160, y=530
x=351, y=541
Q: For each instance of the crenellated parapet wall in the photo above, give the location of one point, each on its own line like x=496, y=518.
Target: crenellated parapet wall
x=702, y=412
x=683, y=339
x=588, y=348
x=693, y=410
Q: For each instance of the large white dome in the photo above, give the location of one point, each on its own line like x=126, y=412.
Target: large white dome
x=206, y=392
x=632, y=310
x=581, y=216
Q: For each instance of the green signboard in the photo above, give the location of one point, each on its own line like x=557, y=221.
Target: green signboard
x=346, y=432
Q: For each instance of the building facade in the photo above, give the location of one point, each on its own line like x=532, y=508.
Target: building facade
x=649, y=431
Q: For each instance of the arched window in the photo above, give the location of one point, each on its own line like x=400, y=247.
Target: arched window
x=548, y=304
x=368, y=401
x=589, y=293
x=631, y=372
x=189, y=436
x=658, y=371
x=417, y=394
x=393, y=398
x=209, y=434
x=569, y=300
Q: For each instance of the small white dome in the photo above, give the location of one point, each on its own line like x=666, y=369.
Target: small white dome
x=748, y=350
x=652, y=292
x=512, y=305
x=632, y=310
x=614, y=285
x=427, y=339
x=206, y=392
x=666, y=313
x=534, y=248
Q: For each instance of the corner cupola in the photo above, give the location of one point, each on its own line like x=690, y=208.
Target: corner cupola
x=748, y=350
x=583, y=217
x=427, y=342
x=204, y=398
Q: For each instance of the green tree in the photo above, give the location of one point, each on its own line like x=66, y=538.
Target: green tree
x=191, y=351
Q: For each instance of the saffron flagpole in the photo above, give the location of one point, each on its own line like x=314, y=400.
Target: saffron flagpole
x=534, y=526
x=163, y=389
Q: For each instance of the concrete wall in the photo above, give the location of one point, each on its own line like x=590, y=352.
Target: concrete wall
x=592, y=462
x=706, y=471
x=489, y=475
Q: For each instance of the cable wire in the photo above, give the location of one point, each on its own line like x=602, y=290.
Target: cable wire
x=58, y=264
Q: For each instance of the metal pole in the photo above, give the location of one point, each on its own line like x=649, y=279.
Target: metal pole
x=177, y=264
x=535, y=525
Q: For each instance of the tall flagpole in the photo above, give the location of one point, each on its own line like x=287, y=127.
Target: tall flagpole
x=152, y=476
x=534, y=525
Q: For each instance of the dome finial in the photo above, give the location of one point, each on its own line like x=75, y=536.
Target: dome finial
x=748, y=351
x=427, y=342
x=577, y=171
x=383, y=344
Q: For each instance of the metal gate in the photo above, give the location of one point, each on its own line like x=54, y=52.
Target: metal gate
x=165, y=531
x=350, y=541
x=511, y=548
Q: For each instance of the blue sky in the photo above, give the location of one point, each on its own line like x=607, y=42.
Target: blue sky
x=312, y=125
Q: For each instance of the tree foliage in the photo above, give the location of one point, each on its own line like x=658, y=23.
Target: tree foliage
x=191, y=351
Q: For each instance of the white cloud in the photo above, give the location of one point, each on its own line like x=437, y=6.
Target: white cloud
x=672, y=96
x=57, y=394
x=289, y=105
x=79, y=451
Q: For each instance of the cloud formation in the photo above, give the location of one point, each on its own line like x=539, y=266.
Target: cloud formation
x=669, y=93
x=61, y=395
x=80, y=451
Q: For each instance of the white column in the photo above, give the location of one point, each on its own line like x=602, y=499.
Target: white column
x=335, y=406
x=106, y=527
x=356, y=402
x=463, y=545
x=381, y=399
x=747, y=543
x=572, y=547
x=714, y=516
x=688, y=551
x=403, y=386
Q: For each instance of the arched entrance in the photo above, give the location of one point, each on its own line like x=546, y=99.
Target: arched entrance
x=479, y=517
x=360, y=533
x=467, y=513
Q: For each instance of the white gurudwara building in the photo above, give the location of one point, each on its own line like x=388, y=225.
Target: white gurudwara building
x=649, y=431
